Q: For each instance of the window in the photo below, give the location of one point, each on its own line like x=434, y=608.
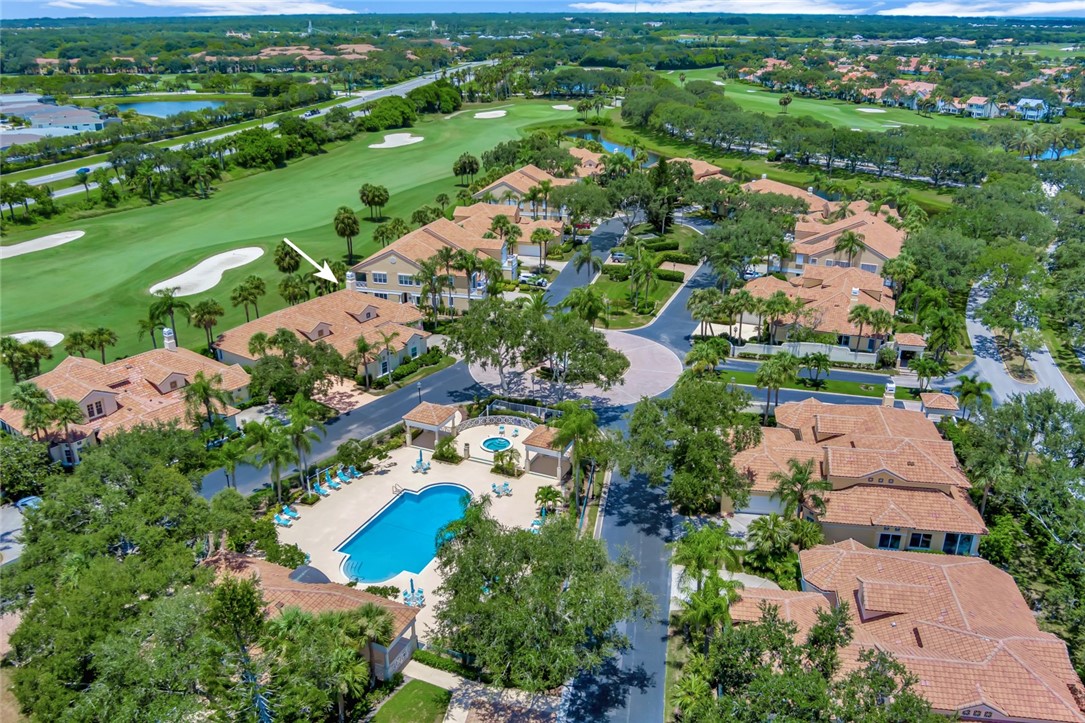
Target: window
x=415, y=299
x=69, y=458
x=379, y=277
x=414, y=352
x=956, y=544
x=381, y=296
x=870, y=344
x=173, y=384
x=384, y=366
x=920, y=541
x=828, y=262
x=813, y=261
x=90, y=411
x=845, y=340
x=844, y=264
x=95, y=409
x=407, y=280
x=888, y=541
x=872, y=268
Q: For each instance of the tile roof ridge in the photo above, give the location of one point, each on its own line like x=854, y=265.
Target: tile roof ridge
x=1076, y=710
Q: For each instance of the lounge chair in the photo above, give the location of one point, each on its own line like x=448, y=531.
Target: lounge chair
x=515, y=431
x=496, y=491
x=332, y=483
x=506, y=489
x=501, y=430
x=416, y=467
x=536, y=523
x=319, y=489
x=288, y=512
x=282, y=521
x=343, y=477
x=425, y=467
x=354, y=473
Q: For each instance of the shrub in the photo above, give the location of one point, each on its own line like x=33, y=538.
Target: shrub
x=668, y=275
x=380, y=383
x=662, y=245
x=388, y=591
x=309, y=499
x=677, y=257
x=289, y=556
x=440, y=662
x=382, y=691
x=446, y=451
x=616, y=272
x=887, y=356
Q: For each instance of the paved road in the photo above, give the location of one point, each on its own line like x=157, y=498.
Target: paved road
x=355, y=101
x=989, y=365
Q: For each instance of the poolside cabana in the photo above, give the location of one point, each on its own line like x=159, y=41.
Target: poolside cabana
x=909, y=346
x=435, y=421
x=280, y=591
x=936, y=405
x=543, y=454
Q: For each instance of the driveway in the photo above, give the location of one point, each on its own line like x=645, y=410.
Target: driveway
x=11, y=527
x=989, y=365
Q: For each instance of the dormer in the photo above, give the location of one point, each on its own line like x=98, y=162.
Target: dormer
x=367, y=313
x=320, y=331
x=172, y=381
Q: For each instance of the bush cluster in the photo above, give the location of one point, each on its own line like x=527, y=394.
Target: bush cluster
x=431, y=357
x=440, y=662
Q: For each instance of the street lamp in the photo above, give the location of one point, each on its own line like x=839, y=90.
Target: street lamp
x=732, y=384
x=419, y=388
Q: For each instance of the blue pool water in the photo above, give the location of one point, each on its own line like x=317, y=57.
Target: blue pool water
x=165, y=108
x=402, y=536
x=495, y=444
x=611, y=146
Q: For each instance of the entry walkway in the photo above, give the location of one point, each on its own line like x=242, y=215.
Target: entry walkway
x=473, y=701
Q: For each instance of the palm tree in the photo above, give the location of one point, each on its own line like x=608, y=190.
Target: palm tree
x=785, y=102
x=545, y=187
x=362, y=356
x=849, y=243
x=709, y=608
x=76, y=343
x=584, y=257
x=806, y=534
x=346, y=227
x=36, y=350
x=66, y=412
x=432, y=281
x=704, y=306
x=348, y=675
x=384, y=234
x=547, y=497
x=769, y=540
x=491, y=270
x=705, y=550
x=467, y=262
x=255, y=290
x=205, y=315
x=386, y=345
x=974, y=394
x=925, y=368
x=881, y=322
x=533, y=197
x=201, y=394
x=286, y=259
x=303, y=430
x=446, y=256
x=588, y=304
x=275, y=450
x=744, y=302
x=150, y=325
x=775, y=308
x=168, y=304
x=704, y=356
x=900, y=271
x=35, y=405
x=860, y=315
x=542, y=238
x=442, y=200
x=100, y=338
x=816, y=363
x=370, y=624
x=799, y=488
x=770, y=377
x=294, y=289
x=577, y=426
x=230, y=455
x=258, y=344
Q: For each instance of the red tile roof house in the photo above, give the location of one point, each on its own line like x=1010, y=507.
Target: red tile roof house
x=895, y=482
x=142, y=389
x=338, y=319
x=510, y=188
x=979, y=106
x=815, y=241
x=959, y=625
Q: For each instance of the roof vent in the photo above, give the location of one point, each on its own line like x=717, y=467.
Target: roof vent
x=810, y=190
x=854, y=291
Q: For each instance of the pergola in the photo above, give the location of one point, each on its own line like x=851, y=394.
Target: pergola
x=434, y=420
x=544, y=456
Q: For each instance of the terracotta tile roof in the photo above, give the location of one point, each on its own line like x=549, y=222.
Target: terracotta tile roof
x=543, y=436
x=765, y=185
x=588, y=163
x=429, y=413
x=918, y=509
x=523, y=180
x=343, y=314
x=771, y=455
x=423, y=243
x=800, y=608
x=910, y=339
x=702, y=170
x=803, y=417
x=939, y=401
x=905, y=460
x=977, y=100
x=131, y=382
x=828, y=295
x=812, y=237
x=958, y=624
x=480, y=224
x=281, y=592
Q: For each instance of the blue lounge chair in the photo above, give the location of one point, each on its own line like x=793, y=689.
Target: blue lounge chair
x=501, y=430
x=343, y=477
x=515, y=431
x=536, y=523
x=354, y=473
x=506, y=489
x=330, y=482
x=496, y=491
x=288, y=512
x=319, y=489
x=282, y=521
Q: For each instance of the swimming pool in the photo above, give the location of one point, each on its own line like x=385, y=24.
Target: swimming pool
x=402, y=536
x=495, y=444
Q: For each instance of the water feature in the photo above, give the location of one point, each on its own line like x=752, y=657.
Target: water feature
x=164, y=108
x=495, y=444
x=1049, y=154
x=610, y=146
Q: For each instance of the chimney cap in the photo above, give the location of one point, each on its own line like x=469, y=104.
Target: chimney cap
x=764, y=176
x=855, y=291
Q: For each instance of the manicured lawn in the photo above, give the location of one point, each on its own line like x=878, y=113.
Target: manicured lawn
x=618, y=293
x=103, y=278
x=757, y=99
x=833, y=386
x=1069, y=364
x=684, y=235
x=416, y=702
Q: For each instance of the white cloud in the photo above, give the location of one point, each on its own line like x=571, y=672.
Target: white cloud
x=1056, y=8
x=244, y=7
x=806, y=7
x=80, y=4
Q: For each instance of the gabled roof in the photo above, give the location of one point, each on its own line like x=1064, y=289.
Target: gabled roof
x=702, y=170
x=543, y=436
x=879, y=505
x=422, y=243
x=523, y=180
x=800, y=608
x=939, y=401
x=771, y=455
x=813, y=237
x=875, y=421
x=766, y=185
x=430, y=414
x=958, y=624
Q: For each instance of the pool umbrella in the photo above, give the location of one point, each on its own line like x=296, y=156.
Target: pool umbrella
x=412, y=587
x=419, y=456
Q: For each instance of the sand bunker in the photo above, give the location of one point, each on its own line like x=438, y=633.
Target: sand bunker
x=39, y=244
x=870, y=110
x=491, y=114
x=751, y=91
x=206, y=274
x=718, y=82
x=563, y=106
x=52, y=338
x=395, y=140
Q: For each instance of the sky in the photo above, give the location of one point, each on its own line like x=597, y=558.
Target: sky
x=143, y=8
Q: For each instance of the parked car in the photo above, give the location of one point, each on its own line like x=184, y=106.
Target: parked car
x=82, y=171
x=618, y=257
x=311, y=113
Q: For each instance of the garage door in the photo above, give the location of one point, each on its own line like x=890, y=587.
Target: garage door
x=763, y=505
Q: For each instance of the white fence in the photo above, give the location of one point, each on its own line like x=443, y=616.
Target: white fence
x=802, y=348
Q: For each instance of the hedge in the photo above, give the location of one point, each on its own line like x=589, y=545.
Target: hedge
x=668, y=275
x=677, y=257
x=433, y=660
x=431, y=357
x=616, y=272
x=662, y=245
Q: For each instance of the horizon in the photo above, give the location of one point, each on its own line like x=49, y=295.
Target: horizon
x=1020, y=10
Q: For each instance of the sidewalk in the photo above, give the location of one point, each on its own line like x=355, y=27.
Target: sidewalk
x=477, y=702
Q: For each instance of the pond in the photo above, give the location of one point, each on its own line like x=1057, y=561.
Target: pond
x=1050, y=155
x=610, y=146
x=164, y=108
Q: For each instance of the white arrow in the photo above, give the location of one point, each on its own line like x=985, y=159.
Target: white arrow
x=321, y=273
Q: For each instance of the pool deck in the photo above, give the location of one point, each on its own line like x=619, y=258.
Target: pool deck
x=328, y=523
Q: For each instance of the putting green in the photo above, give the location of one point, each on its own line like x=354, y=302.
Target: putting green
x=756, y=99
x=103, y=279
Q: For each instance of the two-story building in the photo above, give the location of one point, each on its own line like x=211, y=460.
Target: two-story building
x=980, y=106
x=816, y=241
x=959, y=625
x=393, y=329
x=513, y=186
x=896, y=484
x=141, y=389
x=1032, y=109
x=391, y=273
x=817, y=206
x=478, y=218
x=828, y=296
